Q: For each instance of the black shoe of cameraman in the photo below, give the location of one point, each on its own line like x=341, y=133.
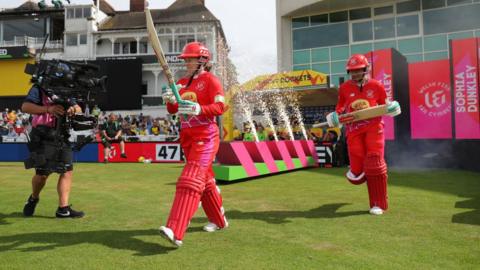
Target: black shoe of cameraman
x=123, y=155
x=29, y=207
x=68, y=212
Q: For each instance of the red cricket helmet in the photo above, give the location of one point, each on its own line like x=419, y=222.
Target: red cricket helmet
x=357, y=61
x=195, y=50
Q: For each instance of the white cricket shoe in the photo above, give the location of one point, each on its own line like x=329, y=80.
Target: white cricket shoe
x=376, y=211
x=211, y=227
x=167, y=233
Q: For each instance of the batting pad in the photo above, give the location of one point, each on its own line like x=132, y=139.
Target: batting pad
x=212, y=204
x=190, y=186
x=376, y=174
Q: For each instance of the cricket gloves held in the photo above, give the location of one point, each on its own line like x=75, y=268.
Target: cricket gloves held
x=189, y=107
x=169, y=97
x=332, y=120
x=393, y=108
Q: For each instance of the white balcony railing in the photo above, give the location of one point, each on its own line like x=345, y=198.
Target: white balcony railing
x=32, y=42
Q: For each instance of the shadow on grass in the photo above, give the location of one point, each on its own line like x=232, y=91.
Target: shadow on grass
x=2, y=219
x=123, y=240
x=470, y=217
x=460, y=183
x=463, y=184
x=20, y=165
x=19, y=215
x=280, y=217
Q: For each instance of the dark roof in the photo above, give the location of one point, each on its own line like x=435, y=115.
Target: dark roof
x=105, y=7
x=181, y=11
x=185, y=4
x=29, y=6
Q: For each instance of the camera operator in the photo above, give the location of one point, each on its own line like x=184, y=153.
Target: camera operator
x=44, y=141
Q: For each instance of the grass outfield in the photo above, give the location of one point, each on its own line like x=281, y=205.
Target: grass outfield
x=309, y=219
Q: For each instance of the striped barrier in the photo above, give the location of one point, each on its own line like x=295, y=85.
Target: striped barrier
x=240, y=160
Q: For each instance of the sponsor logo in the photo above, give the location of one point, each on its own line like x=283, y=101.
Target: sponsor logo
x=359, y=104
x=369, y=93
x=3, y=51
x=173, y=58
x=189, y=96
x=200, y=86
x=66, y=214
x=434, y=101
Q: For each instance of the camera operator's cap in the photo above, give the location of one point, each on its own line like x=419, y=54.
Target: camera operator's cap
x=62, y=69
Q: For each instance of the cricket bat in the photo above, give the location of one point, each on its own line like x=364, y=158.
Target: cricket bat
x=355, y=116
x=157, y=47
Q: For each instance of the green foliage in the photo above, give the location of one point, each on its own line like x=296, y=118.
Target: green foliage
x=41, y=4
x=308, y=219
x=57, y=3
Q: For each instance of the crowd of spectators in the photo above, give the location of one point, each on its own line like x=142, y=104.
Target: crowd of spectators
x=14, y=124
x=318, y=135
x=142, y=127
x=139, y=127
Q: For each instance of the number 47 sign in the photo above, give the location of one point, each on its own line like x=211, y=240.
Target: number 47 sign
x=169, y=152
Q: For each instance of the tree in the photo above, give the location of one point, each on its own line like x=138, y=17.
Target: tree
x=57, y=3
x=42, y=4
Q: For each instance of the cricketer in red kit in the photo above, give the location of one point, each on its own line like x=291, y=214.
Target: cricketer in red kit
x=199, y=138
x=365, y=138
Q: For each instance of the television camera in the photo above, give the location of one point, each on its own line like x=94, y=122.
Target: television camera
x=66, y=83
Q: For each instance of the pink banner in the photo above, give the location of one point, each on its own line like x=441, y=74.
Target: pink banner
x=430, y=100
x=369, y=56
x=465, y=88
x=382, y=71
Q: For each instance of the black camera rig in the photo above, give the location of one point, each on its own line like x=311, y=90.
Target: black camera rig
x=67, y=84
x=65, y=81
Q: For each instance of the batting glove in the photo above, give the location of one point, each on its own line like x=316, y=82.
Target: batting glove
x=393, y=108
x=189, y=107
x=169, y=97
x=332, y=120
